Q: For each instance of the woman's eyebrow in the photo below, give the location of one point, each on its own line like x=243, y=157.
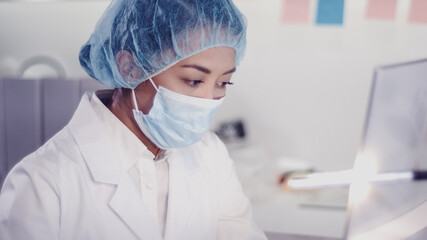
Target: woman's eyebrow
x=205, y=70
x=200, y=68
x=231, y=71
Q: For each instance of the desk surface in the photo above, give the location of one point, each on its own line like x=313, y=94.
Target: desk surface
x=302, y=215
x=284, y=236
x=289, y=214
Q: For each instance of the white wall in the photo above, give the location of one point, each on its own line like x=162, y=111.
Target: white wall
x=302, y=89
x=305, y=87
x=57, y=29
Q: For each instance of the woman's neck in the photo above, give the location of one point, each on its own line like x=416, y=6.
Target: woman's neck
x=121, y=106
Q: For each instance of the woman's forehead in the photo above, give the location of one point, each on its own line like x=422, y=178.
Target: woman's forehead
x=217, y=56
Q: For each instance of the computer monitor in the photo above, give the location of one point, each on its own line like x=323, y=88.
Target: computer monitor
x=394, y=140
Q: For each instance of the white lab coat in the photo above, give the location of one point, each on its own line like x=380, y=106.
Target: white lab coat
x=75, y=187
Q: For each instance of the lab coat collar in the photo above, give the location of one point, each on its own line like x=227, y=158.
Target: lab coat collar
x=94, y=143
x=106, y=167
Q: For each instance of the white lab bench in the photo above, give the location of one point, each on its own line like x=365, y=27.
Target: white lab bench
x=285, y=214
x=309, y=215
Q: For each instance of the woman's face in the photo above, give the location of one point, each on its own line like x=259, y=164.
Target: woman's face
x=204, y=75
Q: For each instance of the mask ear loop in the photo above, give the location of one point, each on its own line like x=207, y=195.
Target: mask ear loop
x=134, y=100
x=134, y=97
x=154, y=85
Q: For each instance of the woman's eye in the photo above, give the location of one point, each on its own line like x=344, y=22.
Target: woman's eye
x=224, y=84
x=193, y=83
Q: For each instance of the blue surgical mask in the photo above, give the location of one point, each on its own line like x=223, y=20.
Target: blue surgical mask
x=175, y=120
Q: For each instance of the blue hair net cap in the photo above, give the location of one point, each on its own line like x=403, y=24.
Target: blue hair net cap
x=159, y=33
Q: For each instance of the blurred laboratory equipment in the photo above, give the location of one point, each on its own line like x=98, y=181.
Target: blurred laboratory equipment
x=347, y=177
x=41, y=66
x=231, y=131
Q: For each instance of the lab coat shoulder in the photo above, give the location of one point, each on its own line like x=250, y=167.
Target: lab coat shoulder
x=56, y=157
x=58, y=188
x=32, y=187
x=234, y=218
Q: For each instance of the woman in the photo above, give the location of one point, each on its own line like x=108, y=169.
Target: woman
x=137, y=162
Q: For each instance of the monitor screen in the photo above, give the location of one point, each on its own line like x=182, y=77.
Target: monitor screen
x=394, y=140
